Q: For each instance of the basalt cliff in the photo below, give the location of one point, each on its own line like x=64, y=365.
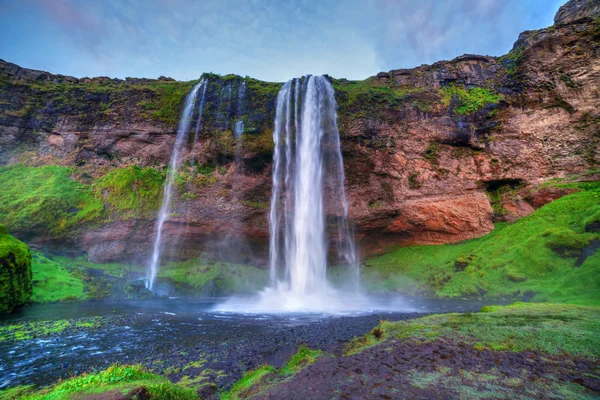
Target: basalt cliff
x=434, y=154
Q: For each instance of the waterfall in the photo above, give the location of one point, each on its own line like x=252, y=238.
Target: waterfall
x=165, y=208
x=239, y=125
x=204, y=83
x=307, y=167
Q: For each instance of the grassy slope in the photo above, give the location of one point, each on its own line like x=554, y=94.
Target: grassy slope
x=549, y=328
x=53, y=282
x=537, y=254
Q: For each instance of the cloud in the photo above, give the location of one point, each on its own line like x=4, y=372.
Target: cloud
x=261, y=38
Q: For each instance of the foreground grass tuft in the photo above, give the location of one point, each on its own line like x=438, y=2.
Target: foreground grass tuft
x=116, y=379
x=259, y=379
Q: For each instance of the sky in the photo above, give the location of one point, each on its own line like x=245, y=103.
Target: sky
x=272, y=40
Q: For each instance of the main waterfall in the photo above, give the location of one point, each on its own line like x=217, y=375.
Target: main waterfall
x=308, y=180
x=308, y=217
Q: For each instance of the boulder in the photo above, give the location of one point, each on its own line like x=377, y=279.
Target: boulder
x=16, y=277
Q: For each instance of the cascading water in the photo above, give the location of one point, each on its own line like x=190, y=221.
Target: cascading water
x=309, y=211
x=239, y=125
x=165, y=208
x=307, y=165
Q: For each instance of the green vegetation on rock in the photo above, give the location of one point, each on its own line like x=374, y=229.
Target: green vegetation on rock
x=15, y=272
x=53, y=282
x=549, y=328
x=117, y=380
x=265, y=376
x=358, y=97
x=537, y=257
x=38, y=329
x=45, y=199
x=469, y=101
x=202, y=277
x=131, y=191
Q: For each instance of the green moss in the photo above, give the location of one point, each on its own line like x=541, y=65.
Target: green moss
x=565, y=241
x=255, y=381
x=255, y=204
x=413, y=180
x=204, y=277
x=358, y=98
x=53, y=282
x=300, y=360
x=469, y=101
x=432, y=153
x=15, y=272
x=114, y=380
x=30, y=330
x=592, y=223
x=131, y=191
x=549, y=328
x=514, y=261
x=242, y=388
x=45, y=200
x=261, y=144
x=171, y=97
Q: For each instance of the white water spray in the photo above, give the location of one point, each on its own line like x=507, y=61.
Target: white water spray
x=165, y=208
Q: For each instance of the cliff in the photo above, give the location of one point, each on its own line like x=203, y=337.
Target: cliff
x=433, y=154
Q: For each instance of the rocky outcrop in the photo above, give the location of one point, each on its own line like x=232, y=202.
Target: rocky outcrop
x=575, y=10
x=427, y=151
x=16, y=284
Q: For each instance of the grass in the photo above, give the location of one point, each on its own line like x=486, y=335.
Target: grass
x=193, y=276
x=45, y=199
x=534, y=257
x=242, y=388
x=300, y=360
x=49, y=200
x=131, y=191
x=549, y=328
x=261, y=378
x=116, y=379
x=170, y=101
x=366, y=95
x=53, y=282
x=15, y=272
x=469, y=101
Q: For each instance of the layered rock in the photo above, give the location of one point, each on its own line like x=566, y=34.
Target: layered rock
x=424, y=149
x=16, y=284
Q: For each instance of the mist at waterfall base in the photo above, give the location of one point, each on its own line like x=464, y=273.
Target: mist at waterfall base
x=308, y=185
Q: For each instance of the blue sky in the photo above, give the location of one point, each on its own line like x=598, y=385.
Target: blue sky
x=267, y=39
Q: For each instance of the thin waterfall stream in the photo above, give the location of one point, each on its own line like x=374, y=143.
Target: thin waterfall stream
x=176, y=156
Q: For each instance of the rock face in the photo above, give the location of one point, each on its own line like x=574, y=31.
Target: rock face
x=432, y=154
x=575, y=10
x=16, y=284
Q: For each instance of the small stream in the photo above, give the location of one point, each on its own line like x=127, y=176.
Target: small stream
x=172, y=333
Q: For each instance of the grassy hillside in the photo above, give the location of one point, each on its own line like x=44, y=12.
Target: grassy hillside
x=547, y=256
